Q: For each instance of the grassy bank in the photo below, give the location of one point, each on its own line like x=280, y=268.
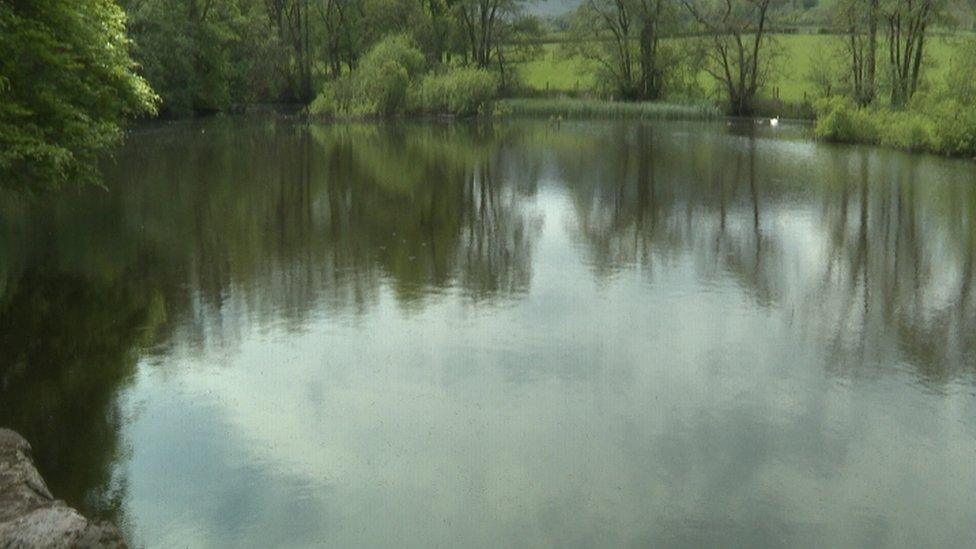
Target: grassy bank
x=946, y=127
x=590, y=108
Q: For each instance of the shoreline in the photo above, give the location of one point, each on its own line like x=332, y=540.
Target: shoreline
x=30, y=516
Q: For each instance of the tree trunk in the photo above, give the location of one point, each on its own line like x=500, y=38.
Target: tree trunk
x=869, y=85
x=650, y=87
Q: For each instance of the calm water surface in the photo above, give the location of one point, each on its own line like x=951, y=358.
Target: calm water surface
x=602, y=334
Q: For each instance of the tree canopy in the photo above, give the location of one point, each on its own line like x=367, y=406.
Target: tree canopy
x=66, y=82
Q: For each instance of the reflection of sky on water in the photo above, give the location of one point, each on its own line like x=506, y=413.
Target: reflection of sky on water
x=427, y=335
x=662, y=407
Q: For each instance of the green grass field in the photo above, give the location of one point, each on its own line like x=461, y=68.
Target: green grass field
x=554, y=71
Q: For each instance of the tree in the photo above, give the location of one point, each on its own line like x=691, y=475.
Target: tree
x=438, y=13
x=736, y=38
x=338, y=42
x=484, y=25
x=623, y=37
x=907, y=22
x=651, y=15
x=291, y=21
x=66, y=82
x=204, y=55
x=606, y=29
x=858, y=21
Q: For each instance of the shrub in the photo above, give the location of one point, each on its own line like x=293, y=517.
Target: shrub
x=954, y=128
x=397, y=48
x=337, y=97
x=384, y=75
x=378, y=86
x=840, y=120
x=383, y=88
x=463, y=92
x=959, y=81
x=942, y=125
x=906, y=130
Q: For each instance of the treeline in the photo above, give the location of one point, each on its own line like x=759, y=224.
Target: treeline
x=650, y=50
x=73, y=70
x=66, y=81
x=878, y=90
x=656, y=49
x=209, y=55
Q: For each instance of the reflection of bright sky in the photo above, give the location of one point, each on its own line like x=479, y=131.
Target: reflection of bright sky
x=651, y=407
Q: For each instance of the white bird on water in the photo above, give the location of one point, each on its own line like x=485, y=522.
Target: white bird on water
x=774, y=121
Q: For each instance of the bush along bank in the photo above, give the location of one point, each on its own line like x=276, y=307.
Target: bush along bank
x=945, y=127
x=393, y=78
x=939, y=118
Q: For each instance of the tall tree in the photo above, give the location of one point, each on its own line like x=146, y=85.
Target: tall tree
x=652, y=15
x=484, y=24
x=203, y=55
x=606, y=33
x=908, y=22
x=624, y=39
x=338, y=42
x=737, y=39
x=290, y=20
x=857, y=20
x=66, y=82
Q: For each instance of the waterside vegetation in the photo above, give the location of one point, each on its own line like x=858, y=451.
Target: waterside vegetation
x=893, y=72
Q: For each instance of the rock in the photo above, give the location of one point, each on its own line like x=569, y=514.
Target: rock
x=29, y=514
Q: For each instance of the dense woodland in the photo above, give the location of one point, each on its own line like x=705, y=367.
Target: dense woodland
x=72, y=71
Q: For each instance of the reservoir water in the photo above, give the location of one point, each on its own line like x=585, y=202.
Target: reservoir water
x=266, y=333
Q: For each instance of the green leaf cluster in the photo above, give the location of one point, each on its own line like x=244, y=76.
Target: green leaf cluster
x=66, y=83
x=392, y=79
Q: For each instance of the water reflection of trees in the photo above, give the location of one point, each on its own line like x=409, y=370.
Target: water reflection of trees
x=901, y=255
x=330, y=213
x=430, y=208
x=859, y=250
x=74, y=312
x=654, y=197
x=212, y=228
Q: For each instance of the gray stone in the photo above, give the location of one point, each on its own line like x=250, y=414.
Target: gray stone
x=29, y=514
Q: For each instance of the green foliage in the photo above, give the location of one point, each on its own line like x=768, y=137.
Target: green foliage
x=945, y=126
x=463, y=92
x=337, y=97
x=943, y=121
x=398, y=49
x=385, y=72
x=384, y=18
x=840, y=120
x=959, y=82
x=390, y=80
x=380, y=84
x=907, y=130
x=202, y=59
x=955, y=127
x=384, y=87
x=66, y=82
